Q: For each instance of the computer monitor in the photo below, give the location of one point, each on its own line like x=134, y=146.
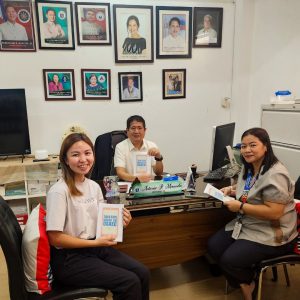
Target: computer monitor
x=222, y=136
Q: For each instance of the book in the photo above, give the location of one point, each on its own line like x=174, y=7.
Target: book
x=216, y=193
x=110, y=220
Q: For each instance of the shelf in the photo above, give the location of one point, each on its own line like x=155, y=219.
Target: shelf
x=35, y=177
x=7, y=198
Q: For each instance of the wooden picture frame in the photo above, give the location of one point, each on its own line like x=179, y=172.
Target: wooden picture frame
x=130, y=86
x=207, y=27
x=173, y=32
x=93, y=23
x=174, y=83
x=133, y=33
x=59, y=84
x=55, y=24
x=21, y=38
x=96, y=84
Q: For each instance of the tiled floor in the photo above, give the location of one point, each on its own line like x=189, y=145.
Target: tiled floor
x=193, y=281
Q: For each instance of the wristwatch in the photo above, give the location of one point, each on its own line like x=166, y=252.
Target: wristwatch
x=159, y=159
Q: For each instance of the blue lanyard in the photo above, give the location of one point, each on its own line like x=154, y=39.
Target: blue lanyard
x=250, y=180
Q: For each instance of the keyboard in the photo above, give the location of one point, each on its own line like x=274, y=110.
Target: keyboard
x=217, y=174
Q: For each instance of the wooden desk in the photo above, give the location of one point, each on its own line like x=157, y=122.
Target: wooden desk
x=172, y=238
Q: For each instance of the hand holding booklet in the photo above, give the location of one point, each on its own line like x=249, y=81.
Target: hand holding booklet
x=110, y=221
x=214, y=192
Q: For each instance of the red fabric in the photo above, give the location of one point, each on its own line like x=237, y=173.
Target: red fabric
x=43, y=254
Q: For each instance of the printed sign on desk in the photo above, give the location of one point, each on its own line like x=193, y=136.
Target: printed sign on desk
x=110, y=221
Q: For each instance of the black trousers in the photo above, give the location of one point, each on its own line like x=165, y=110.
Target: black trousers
x=105, y=267
x=237, y=258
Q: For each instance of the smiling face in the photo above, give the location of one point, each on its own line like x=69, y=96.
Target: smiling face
x=80, y=159
x=51, y=16
x=11, y=14
x=136, y=133
x=133, y=27
x=55, y=78
x=207, y=22
x=174, y=28
x=253, y=150
x=90, y=16
x=93, y=80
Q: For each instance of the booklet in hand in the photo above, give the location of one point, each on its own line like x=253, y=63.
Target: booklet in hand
x=110, y=221
x=214, y=192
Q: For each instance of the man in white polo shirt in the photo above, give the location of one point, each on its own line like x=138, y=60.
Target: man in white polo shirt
x=124, y=153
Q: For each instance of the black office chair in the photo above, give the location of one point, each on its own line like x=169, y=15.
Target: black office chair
x=284, y=260
x=105, y=145
x=11, y=241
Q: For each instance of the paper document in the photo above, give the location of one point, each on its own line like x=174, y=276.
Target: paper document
x=110, y=220
x=141, y=163
x=214, y=192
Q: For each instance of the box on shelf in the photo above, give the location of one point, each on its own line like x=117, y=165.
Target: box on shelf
x=36, y=186
x=15, y=188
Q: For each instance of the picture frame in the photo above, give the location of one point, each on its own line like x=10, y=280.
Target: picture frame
x=133, y=33
x=93, y=23
x=173, y=32
x=55, y=24
x=96, y=84
x=59, y=84
x=21, y=38
x=207, y=27
x=174, y=83
x=130, y=86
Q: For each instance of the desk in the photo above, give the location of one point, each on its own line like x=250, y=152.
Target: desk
x=173, y=238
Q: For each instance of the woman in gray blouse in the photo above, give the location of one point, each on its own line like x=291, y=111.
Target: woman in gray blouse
x=265, y=225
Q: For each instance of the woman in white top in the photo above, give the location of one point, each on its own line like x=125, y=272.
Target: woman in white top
x=77, y=257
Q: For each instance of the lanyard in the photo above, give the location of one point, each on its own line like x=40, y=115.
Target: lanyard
x=250, y=180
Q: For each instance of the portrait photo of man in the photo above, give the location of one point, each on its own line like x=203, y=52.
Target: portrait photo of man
x=131, y=91
x=51, y=29
x=55, y=24
x=16, y=26
x=93, y=23
x=91, y=28
x=207, y=27
x=130, y=85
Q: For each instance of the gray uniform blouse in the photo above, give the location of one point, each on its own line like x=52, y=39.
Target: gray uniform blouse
x=273, y=186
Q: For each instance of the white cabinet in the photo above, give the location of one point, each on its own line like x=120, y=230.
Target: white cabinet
x=23, y=184
x=283, y=125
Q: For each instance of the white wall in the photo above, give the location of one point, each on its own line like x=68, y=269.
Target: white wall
x=275, y=63
x=182, y=127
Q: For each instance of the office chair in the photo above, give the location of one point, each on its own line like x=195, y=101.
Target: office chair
x=10, y=242
x=105, y=145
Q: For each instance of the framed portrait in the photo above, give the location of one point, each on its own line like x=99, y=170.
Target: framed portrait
x=95, y=84
x=55, y=24
x=16, y=26
x=174, y=83
x=130, y=86
x=173, y=32
x=59, y=84
x=133, y=30
x=207, y=27
x=93, y=23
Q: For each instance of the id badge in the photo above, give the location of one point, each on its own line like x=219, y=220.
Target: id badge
x=236, y=230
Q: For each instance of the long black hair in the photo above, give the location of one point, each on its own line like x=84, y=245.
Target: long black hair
x=269, y=160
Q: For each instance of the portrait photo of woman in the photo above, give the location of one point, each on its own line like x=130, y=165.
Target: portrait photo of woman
x=133, y=25
x=134, y=43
